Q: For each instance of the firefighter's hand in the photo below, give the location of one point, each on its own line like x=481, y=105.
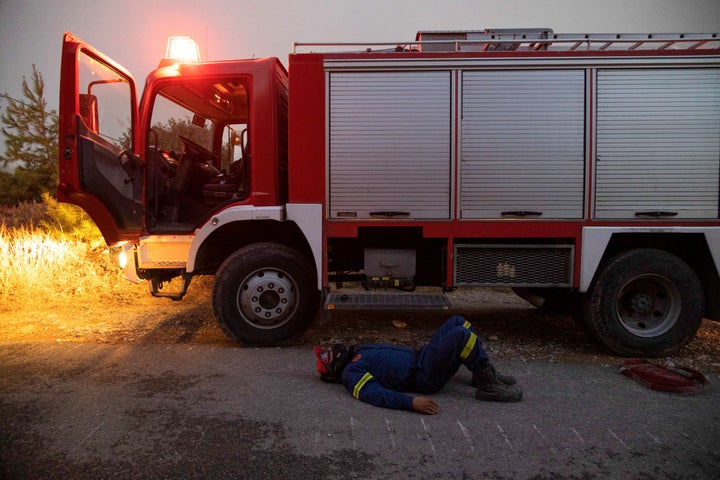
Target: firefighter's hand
x=425, y=405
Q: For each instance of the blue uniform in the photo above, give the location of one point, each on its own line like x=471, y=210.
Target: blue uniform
x=381, y=374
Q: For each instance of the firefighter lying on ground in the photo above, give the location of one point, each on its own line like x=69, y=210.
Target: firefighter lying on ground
x=381, y=374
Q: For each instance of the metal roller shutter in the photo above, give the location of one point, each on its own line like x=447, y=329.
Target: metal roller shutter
x=658, y=143
x=390, y=144
x=523, y=143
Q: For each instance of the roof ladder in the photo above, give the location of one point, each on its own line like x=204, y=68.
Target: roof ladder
x=531, y=40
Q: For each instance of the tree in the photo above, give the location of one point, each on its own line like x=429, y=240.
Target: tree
x=31, y=143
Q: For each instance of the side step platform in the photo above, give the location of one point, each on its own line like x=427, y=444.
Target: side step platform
x=156, y=285
x=386, y=301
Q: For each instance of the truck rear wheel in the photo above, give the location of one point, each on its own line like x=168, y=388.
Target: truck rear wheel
x=644, y=302
x=264, y=294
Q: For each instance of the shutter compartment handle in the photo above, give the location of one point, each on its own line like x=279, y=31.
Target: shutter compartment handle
x=656, y=214
x=389, y=214
x=521, y=213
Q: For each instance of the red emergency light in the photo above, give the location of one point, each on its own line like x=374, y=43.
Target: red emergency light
x=180, y=49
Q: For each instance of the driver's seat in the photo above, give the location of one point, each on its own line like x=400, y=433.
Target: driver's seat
x=217, y=192
x=228, y=187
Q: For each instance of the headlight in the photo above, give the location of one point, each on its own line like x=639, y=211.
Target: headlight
x=122, y=259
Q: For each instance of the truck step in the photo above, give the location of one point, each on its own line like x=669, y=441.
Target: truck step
x=386, y=301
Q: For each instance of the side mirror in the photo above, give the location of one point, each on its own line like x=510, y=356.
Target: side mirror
x=89, y=111
x=238, y=140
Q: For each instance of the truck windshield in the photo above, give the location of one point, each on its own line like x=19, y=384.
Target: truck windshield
x=171, y=121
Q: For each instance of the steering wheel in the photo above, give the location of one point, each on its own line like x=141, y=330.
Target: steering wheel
x=197, y=152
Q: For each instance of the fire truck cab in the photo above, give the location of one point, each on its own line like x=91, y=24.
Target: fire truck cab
x=192, y=178
x=580, y=170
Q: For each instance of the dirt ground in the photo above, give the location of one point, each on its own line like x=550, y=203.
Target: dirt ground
x=509, y=327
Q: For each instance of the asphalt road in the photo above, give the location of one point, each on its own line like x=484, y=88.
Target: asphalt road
x=180, y=411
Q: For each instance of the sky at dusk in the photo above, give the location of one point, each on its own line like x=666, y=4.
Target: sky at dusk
x=134, y=32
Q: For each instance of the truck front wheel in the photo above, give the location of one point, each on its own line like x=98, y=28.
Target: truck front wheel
x=644, y=302
x=264, y=294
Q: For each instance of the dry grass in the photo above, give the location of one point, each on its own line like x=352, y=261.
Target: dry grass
x=60, y=282
x=53, y=265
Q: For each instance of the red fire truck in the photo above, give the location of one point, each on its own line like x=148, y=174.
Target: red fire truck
x=582, y=171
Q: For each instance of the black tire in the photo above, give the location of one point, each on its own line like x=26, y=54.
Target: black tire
x=264, y=294
x=644, y=302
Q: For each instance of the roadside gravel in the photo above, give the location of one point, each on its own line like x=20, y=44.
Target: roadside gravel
x=510, y=328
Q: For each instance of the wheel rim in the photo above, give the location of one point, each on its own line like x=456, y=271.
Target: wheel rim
x=648, y=305
x=267, y=298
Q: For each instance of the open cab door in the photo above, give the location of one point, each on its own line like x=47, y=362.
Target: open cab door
x=99, y=170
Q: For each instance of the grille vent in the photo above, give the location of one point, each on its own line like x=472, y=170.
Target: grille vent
x=514, y=265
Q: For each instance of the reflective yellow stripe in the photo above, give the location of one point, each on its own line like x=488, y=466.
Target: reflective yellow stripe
x=468, y=346
x=466, y=325
x=359, y=385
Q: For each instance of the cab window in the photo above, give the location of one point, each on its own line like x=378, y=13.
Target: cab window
x=105, y=106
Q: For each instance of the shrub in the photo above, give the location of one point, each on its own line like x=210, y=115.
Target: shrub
x=23, y=215
x=65, y=219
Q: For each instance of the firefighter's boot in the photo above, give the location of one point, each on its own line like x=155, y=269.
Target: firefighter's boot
x=491, y=387
x=484, y=372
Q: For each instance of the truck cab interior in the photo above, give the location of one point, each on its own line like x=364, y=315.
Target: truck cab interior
x=198, y=155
